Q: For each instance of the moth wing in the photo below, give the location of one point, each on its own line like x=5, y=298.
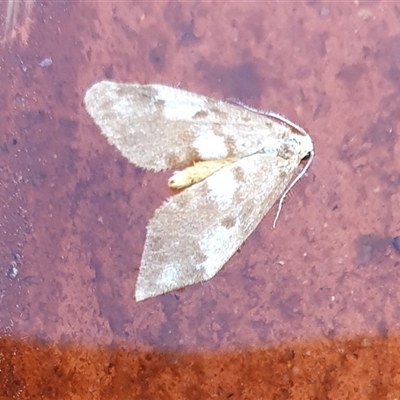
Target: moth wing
x=159, y=127
x=195, y=232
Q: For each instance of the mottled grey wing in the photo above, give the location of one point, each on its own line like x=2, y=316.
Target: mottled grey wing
x=158, y=127
x=194, y=233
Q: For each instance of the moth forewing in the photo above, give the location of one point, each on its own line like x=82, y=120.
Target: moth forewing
x=239, y=163
x=159, y=127
x=195, y=232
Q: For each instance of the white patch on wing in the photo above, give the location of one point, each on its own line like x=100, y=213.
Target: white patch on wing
x=168, y=276
x=208, y=145
x=175, y=107
x=216, y=243
x=122, y=106
x=222, y=187
x=141, y=294
x=239, y=141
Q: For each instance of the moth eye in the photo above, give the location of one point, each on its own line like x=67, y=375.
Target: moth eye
x=293, y=143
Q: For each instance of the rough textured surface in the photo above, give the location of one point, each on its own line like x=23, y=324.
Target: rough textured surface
x=362, y=367
x=73, y=212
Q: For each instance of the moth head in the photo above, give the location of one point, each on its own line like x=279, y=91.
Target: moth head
x=301, y=144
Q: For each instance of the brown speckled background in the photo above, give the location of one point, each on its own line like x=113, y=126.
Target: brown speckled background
x=308, y=310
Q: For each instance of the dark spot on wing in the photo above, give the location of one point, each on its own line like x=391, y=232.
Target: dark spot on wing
x=222, y=115
x=245, y=118
x=228, y=222
x=200, y=115
x=157, y=243
x=230, y=145
x=217, y=129
x=171, y=159
x=282, y=175
x=193, y=156
x=238, y=174
x=159, y=104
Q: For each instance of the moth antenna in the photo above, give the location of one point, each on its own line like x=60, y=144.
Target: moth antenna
x=270, y=114
x=289, y=188
x=283, y=119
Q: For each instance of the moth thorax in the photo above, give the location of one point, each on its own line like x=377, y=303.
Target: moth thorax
x=272, y=147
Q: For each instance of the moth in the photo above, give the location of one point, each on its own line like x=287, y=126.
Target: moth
x=233, y=164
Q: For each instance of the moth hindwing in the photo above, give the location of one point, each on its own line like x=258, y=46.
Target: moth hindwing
x=238, y=163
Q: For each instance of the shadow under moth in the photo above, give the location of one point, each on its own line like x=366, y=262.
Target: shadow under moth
x=235, y=162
